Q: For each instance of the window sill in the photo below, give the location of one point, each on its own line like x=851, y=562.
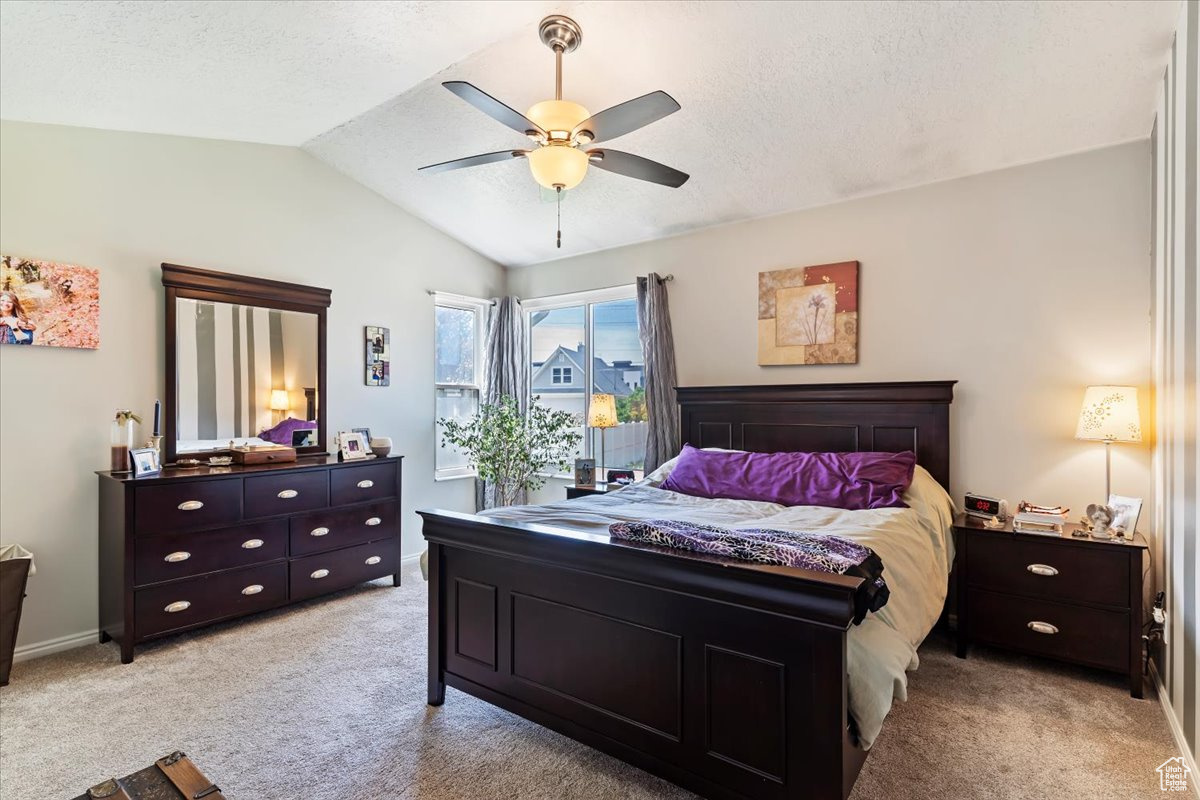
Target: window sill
x=441, y=478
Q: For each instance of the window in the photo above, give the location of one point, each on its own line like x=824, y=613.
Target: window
x=458, y=372
x=587, y=343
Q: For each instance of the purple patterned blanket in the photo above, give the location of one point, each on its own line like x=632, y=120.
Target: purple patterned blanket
x=814, y=551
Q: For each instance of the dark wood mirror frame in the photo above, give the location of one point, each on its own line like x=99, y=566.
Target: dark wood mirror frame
x=203, y=284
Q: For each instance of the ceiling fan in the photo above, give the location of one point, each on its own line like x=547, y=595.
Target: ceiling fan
x=562, y=131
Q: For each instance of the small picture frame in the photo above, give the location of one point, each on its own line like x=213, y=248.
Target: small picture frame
x=351, y=445
x=366, y=434
x=585, y=472
x=621, y=476
x=1126, y=511
x=304, y=437
x=144, y=462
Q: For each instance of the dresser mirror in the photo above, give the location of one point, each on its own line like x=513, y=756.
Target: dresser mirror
x=245, y=363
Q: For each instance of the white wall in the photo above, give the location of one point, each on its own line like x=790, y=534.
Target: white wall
x=124, y=203
x=1025, y=285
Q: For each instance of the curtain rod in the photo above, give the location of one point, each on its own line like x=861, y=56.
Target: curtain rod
x=432, y=292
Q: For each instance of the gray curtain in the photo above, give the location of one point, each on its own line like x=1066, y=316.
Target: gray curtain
x=506, y=371
x=658, y=352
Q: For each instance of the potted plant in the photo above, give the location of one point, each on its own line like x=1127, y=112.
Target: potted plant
x=512, y=450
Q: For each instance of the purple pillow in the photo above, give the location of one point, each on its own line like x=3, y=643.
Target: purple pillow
x=282, y=433
x=853, y=481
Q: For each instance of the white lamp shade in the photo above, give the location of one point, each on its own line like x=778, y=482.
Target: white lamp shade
x=279, y=400
x=602, y=411
x=1110, y=414
x=558, y=165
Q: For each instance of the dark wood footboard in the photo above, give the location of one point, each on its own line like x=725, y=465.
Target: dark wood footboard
x=723, y=677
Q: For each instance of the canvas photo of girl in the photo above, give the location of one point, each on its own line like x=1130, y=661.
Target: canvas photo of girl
x=49, y=304
x=15, y=325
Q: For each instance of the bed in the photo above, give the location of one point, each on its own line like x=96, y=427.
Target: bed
x=731, y=679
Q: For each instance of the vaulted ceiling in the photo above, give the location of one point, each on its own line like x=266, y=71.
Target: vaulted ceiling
x=784, y=105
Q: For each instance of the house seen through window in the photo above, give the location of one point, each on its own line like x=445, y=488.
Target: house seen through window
x=585, y=344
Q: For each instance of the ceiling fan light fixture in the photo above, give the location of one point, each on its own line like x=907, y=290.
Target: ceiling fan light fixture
x=558, y=165
x=558, y=117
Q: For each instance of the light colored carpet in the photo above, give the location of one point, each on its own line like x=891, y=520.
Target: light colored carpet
x=327, y=700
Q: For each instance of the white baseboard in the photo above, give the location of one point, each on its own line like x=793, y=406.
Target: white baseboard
x=1181, y=742
x=414, y=558
x=38, y=649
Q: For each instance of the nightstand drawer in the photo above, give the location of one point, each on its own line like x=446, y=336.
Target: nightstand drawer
x=1049, y=570
x=1073, y=633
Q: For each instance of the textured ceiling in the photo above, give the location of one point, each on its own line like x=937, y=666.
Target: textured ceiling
x=785, y=105
x=275, y=72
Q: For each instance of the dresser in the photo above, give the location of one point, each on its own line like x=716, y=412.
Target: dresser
x=188, y=548
x=1068, y=598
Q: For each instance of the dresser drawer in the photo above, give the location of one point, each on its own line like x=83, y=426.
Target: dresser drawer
x=337, y=569
x=180, y=555
x=194, y=504
x=1052, y=571
x=329, y=530
x=159, y=609
x=286, y=493
x=360, y=484
x=1073, y=633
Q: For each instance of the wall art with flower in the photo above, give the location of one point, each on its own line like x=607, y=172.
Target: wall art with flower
x=808, y=315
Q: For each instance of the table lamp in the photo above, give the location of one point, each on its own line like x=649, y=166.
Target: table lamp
x=1109, y=414
x=602, y=414
x=280, y=402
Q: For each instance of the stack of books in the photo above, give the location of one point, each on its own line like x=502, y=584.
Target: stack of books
x=1046, y=520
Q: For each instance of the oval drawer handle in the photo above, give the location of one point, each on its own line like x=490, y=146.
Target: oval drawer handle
x=253, y=588
x=287, y=494
x=318, y=574
x=177, y=606
x=1042, y=569
x=1042, y=627
x=373, y=521
x=252, y=544
x=178, y=555
x=191, y=505
x=318, y=531
x=373, y=560
x=367, y=484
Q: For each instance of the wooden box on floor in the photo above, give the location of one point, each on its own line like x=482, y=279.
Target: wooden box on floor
x=172, y=777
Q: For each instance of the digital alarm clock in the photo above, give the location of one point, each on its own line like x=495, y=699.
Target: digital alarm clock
x=978, y=505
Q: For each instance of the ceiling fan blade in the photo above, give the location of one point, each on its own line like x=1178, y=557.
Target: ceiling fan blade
x=628, y=116
x=493, y=107
x=474, y=161
x=633, y=166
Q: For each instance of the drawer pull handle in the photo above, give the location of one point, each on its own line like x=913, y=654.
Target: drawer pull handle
x=1042, y=627
x=253, y=588
x=1042, y=569
x=318, y=531
x=177, y=606
x=191, y=505
x=287, y=494
x=252, y=544
x=178, y=555
x=367, y=484
x=318, y=574
x=373, y=521
x=373, y=560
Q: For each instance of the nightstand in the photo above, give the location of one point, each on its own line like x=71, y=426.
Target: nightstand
x=1068, y=598
x=574, y=491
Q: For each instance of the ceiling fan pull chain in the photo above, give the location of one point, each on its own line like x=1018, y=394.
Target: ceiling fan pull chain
x=558, y=190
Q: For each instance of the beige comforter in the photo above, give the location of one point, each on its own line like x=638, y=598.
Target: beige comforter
x=914, y=543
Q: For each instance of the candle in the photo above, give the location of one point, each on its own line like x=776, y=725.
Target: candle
x=157, y=417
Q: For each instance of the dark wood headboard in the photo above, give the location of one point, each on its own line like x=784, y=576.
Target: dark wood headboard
x=824, y=417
